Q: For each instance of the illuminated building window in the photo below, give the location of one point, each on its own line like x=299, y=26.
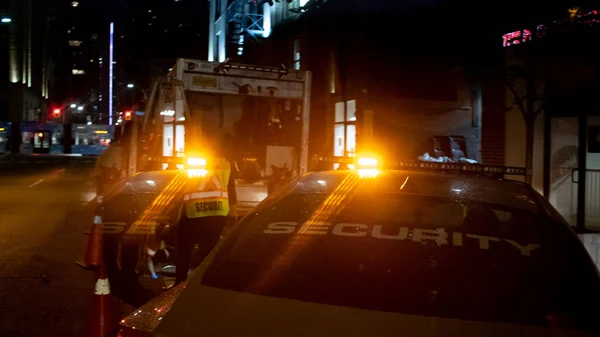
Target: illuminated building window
x=297, y=54
x=221, y=41
x=344, y=130
x=516, y=37
x=74, y=43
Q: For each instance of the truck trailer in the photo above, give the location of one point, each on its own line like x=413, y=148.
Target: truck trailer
x=265, y=110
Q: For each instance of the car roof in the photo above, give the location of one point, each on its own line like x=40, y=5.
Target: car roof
x=147, y=182
x=470, y=186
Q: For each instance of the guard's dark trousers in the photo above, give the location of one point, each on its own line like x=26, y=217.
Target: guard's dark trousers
x=205, y=232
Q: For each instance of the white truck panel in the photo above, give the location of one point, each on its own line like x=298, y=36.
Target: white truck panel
x=212, y=77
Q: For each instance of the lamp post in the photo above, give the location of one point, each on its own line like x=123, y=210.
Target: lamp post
x=133, y=86
x=144, y=92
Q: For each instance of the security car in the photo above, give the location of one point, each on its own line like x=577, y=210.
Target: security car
x=142, y=213
x=426, y=249
x=140, y=209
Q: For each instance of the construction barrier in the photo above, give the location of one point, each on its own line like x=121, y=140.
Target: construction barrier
x=93, y=254
x=104, y=317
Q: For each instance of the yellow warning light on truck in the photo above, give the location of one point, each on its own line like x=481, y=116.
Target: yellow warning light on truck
x=196, y=162
x=366, y=162
x=196, y=167
x=367, y=167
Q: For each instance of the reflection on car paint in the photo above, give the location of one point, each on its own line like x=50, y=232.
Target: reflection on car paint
x=113, y=227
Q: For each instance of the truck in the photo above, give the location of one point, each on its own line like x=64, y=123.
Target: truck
x=266, y=110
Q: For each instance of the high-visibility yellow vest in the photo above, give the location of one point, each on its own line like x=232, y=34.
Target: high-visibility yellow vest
x=210, y=197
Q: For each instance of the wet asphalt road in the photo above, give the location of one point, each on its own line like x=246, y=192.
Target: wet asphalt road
x=41, y=224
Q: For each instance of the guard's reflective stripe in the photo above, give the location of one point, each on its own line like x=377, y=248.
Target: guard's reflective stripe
x=210, y=194
x=213, y=179
x=202, y=195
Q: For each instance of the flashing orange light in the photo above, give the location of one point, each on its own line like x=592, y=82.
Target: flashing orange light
x=196, y=167
x=367, y=162
x=196, y=173
x=367, y=167
x=196, y=162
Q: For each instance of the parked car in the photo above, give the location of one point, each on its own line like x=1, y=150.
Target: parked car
x=406, y=252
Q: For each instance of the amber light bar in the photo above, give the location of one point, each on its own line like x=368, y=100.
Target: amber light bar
x=474, y=168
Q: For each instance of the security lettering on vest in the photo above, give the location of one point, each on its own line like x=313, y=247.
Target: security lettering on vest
x=208, y=206
x=439, y=236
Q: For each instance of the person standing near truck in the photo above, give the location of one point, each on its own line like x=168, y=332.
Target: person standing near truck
x=209, y=204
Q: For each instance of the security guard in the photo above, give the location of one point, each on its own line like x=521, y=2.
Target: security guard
x=208, y=205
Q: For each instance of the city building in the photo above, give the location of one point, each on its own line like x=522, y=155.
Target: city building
x=409, y=88
x=565, y=124
x=81, y=34
x=26, y=72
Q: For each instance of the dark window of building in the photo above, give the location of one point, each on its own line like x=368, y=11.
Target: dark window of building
x=3, y=110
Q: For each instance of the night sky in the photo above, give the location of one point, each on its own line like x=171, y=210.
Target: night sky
x=150, y=34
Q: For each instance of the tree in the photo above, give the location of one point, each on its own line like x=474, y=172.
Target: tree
x=522, y=82
x=559, y=55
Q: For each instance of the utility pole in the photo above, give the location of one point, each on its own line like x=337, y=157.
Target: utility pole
x=530, y=116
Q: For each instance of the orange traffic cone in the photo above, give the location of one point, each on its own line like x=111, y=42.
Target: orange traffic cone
x=93, y=254
x=104, y=316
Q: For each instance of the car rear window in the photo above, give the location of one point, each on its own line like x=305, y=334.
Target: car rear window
x=364, y=247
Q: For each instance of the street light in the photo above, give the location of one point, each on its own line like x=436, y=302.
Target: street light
x=80, y=108
x=130, y=85
x=73, y=106
x=6, y=20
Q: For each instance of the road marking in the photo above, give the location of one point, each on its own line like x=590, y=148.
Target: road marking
x=39, y=181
